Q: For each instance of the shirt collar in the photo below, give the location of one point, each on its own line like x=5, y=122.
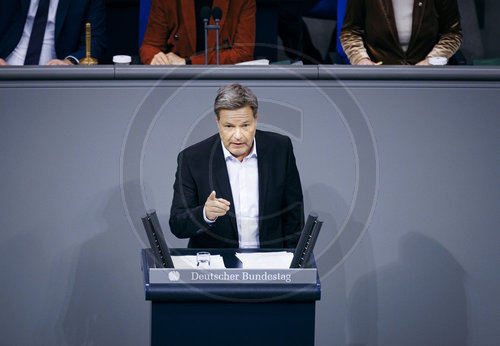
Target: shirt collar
x=228, y=155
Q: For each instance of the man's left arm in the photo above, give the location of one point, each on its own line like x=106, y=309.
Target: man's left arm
x=293, y=202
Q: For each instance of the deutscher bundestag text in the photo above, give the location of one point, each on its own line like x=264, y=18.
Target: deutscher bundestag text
x=243, y=276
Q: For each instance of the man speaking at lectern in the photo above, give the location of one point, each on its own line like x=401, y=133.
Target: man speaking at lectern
x=240, y=187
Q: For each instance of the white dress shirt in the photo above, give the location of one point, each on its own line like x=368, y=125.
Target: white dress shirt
x=244, y=181
x=403, y=13
x=48, y=47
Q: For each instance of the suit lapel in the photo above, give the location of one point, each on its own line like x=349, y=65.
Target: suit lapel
x=388, y=9
x=219, y=180
x=418, y=16
x=25, y=5
x=187, y=8
x=263, y=164
x=62, y=10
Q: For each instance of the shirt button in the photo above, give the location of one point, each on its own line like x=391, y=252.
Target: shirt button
x=176, y=37
x=420, y=4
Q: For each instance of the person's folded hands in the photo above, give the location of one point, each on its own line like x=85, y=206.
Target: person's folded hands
x=58, y=62
x=365, y=62
x=424, y=62
x=174, y=59
x=160, y=58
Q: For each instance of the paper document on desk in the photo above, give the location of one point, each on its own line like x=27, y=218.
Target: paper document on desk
x=190, y=262
x=254, y=62
x=266, y=260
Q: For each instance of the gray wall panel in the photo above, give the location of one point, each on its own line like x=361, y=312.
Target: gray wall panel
x=438, y=158
x=406, y=179
x=70, y=269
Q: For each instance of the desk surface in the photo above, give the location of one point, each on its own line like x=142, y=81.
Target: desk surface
x=273, y=72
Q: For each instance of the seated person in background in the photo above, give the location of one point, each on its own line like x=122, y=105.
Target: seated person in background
x=239, y=188
x=294, y=32
x=400, y=32
x=49, y=32
x=175, y=33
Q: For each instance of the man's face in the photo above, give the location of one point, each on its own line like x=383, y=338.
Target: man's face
x=237, y=129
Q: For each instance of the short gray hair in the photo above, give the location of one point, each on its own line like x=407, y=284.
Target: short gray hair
x=235, y=96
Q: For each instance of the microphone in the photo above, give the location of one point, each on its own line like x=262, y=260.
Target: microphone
x=205, y=13
x=217, y=14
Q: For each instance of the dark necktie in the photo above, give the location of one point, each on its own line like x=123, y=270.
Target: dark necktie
x=37, y=34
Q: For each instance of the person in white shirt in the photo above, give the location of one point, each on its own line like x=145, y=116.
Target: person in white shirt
x=49, y=32
x=400, y=32
x=239, y=188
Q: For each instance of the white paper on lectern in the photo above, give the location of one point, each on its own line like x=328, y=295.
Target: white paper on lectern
x=254, y=62
x=266, y=260
x=189, y=262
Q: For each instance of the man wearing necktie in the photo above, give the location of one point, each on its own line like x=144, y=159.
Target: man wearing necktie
x=49, y=32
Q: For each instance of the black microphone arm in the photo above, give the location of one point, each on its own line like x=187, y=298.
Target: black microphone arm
x=205, y=14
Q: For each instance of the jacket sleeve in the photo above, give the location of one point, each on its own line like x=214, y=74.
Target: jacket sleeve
x=186, y=215
x=155, y=37
x=293, y=202
x=243, y=46
x=450, y=30
x=351, y=34
x=96, y=16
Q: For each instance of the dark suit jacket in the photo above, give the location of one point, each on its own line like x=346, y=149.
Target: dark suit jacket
x=172, y=28
x=202, y=169
x=71, y=17
x=370, y=30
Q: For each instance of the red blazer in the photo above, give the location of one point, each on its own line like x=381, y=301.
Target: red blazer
x=172, y=28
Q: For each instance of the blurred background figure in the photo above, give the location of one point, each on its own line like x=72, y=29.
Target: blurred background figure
x=175, y=32
x=400, y=32
x=49, y=32
x=294, y=32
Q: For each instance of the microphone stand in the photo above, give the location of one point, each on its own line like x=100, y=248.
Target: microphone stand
x=217, y=39
x=205, y=21
x=216, y=13
x=215, y=27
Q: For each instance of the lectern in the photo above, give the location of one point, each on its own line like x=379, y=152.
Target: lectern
x=232, y=306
